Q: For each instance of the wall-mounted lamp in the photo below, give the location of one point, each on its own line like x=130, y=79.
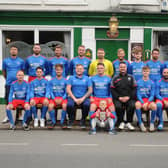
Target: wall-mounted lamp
x=8, y=40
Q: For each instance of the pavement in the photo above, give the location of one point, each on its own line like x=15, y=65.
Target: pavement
x=75, y=148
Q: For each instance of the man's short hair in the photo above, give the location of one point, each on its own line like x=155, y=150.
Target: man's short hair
x=20, y=71
x=122, y=62
x=39, y=68
x=101, y=49
x=120, y=49
x=155, y=49
x=13, y=46
x=100, y=63
x=136, y=51
x=58, y=46
x=82, y=46
x=38, y=44
x=79, y=65
x=165, y=69
x=59, y=65
x=145, y=68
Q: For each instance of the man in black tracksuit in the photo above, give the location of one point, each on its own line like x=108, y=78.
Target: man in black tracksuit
x=123, y=88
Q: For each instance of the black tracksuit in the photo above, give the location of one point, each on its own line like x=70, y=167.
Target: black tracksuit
x=124, y=85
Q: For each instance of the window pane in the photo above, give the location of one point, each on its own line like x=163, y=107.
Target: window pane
x=49, y=39
x=163, y=44
x=24, y=40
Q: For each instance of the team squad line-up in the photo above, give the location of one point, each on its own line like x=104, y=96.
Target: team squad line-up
x=104, y=90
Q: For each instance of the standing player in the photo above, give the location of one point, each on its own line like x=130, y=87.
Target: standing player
x=10, y=67
x=156, y=67
x=136, y=66
x=81, y=59
x=101, y=91
x=79, y=90
x=39, y=94
x=58, y=59
x=19, y=95
x=107, y=64
x=162, y=97
x=145, y=96
x=116, y=63
x=34, y=61
x=58, y=95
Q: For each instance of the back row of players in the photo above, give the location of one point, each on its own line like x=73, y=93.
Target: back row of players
x=79, y=91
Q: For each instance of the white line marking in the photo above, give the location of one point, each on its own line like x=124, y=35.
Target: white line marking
x=14, y=144
x=80, y=145
x=147, y=145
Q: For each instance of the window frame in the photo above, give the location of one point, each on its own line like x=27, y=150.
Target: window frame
x=36, y=30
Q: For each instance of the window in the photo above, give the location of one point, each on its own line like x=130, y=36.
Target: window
x=49, y=39
x=160, y=40
x=24, y=40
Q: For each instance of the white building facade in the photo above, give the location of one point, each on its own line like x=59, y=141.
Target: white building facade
x=75, y=22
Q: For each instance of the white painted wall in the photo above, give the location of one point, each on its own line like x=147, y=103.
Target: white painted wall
x=0, y=49
x=81, y=5
x=136, y=35
x=2, y=86
x=88, y=39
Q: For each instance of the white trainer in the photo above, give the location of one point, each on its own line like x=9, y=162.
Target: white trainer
x=130, y=127
x=42, y=123
x=121, y=126
x=152, y=127
x=12, y=127
x=36, y=122
x=142, y=127
x=5, y=120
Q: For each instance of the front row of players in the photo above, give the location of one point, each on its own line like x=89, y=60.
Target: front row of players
x=93, y=95
x=53, y=94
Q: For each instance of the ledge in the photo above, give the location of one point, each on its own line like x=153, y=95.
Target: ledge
x=140, y=3
x=45, y=2
x=20, y=2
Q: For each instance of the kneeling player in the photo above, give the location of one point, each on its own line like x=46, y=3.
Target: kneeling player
x=102, y=118
x=19, y=96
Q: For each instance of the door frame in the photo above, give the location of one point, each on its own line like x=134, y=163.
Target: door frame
x=129, y=45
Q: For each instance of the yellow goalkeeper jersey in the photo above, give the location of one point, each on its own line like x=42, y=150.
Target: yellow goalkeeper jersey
x=108, y=67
